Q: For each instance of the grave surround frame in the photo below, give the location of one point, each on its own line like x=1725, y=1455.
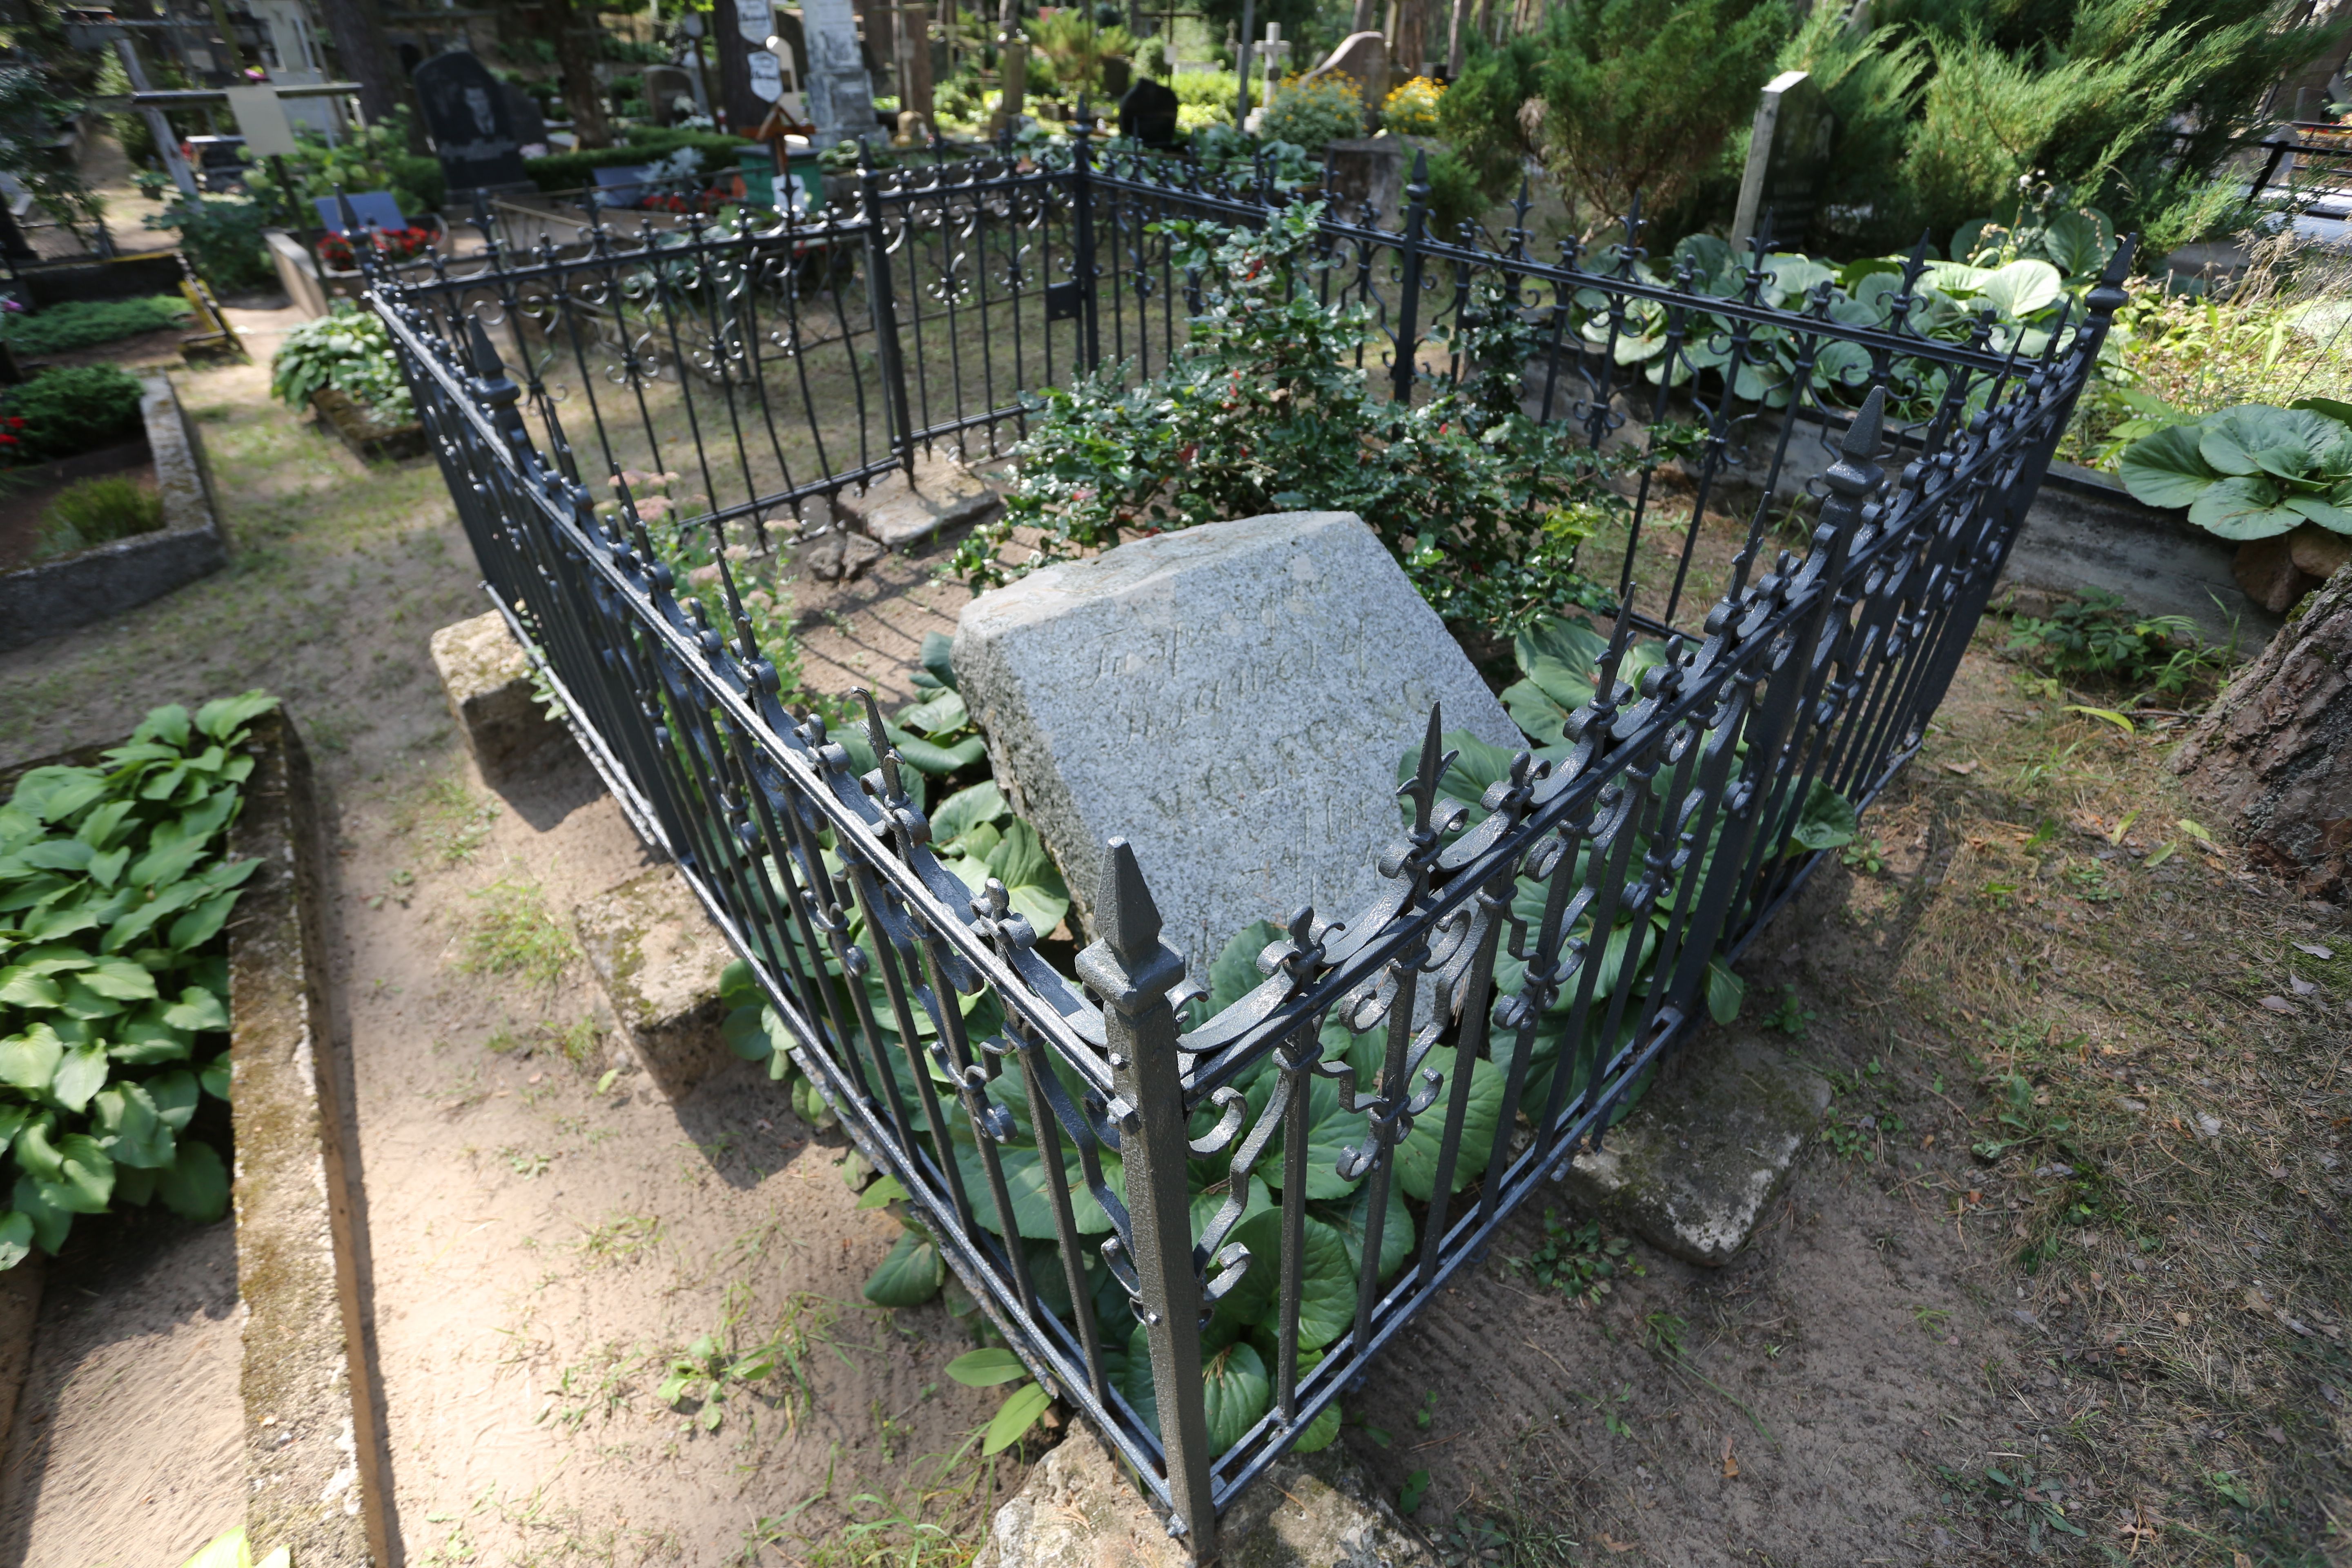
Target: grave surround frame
x=780, y=363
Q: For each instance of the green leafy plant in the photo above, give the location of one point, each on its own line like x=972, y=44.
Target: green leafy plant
x=1268, y=411
x=1583, y=1261
x=1616, y=97
x=223, y=240
x=97, y=512
x=67, y=410
x=2251, y=471
x=1311, y=114
x=348, y=351
x=1226, y=153
x=80, y=324
x=1027, y=1406
x=2094, y=637
x=373, y=156
x=113, y=983
x=34, y=111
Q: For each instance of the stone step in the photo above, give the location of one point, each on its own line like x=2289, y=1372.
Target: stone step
x=487, y=679
x=659, y=959
x=903, y=510
x=1694, y=1167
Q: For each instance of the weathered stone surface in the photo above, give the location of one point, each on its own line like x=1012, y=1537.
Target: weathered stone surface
x=1692, y=1170
x=2274, y=751
x=1233, y=700
x=20, y=1309
x=2266, y=570
x=2319, y=551
x=659, y=959
x=488, y=682
x=1078, y=1510
x=898, y=510
x=317, y=1482
x=835, y=554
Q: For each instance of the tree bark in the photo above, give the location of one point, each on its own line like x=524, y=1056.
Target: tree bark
x=365, y=58
x=2274, y=753
x=575, y=58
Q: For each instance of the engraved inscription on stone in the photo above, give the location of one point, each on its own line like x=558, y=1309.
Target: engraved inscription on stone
x=1234, y=699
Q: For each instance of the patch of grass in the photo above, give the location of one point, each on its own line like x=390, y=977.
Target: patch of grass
x=619, y=1238
x=453, y=821
x=97, y=511
x=512, y=933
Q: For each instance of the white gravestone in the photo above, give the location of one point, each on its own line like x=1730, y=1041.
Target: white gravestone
x=1234, y=699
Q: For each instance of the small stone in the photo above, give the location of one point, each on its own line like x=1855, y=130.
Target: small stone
x=837, y=555
x=900, y=510
x=2266, y=570
x=1745, y=1109
x=1233, y=700
x=487, y=680
x=659, y=959
x=2318, y=552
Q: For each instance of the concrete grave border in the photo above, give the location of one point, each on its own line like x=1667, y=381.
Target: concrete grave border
x=54, y=597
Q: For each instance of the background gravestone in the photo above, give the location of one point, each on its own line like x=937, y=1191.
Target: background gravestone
x=1148, y=113
x=467, y=116
x=1788, y=149
x=1234, y=699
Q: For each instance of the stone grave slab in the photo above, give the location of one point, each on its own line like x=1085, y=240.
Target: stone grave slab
x=1693, y=1168
x=899, y=510
x=659, y=959
x=1233, y=700
x=487, y=680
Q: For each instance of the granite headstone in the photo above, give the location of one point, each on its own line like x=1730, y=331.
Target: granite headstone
x=1148, y=113
x=467, y=115
x=1232, y=699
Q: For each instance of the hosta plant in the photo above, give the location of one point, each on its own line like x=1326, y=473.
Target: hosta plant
x=114, y=887
x=350, y=352
x=2251, y=471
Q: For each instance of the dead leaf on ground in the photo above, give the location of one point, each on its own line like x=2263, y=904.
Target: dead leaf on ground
x=1963, y=769
x=1730, y=1460
x=2301, y=986
x=1617, y=1545
x=2317, y=950
x=2278, y=1003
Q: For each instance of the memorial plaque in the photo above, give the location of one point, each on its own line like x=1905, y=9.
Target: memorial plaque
x=1787, y=150
x=467, y=115
x=1234, y=699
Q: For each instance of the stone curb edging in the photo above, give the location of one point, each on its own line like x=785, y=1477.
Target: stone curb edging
x=56, y=596
x=313, y=1461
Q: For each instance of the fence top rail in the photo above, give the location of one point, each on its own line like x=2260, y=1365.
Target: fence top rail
x=888, y=833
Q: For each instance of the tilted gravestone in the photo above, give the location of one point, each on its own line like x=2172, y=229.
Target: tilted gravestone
x=1234, y=699
x=1788, y=151
x=472, y=127
x=1362, y=58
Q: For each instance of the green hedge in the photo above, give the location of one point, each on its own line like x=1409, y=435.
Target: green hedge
x=569, y=171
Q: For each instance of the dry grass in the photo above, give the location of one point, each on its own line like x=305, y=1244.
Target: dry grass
x=2153, y=1184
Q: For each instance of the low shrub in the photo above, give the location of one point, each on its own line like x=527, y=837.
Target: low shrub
x=1312, y=114
x=349, y=351
x=1411, y=110
x=1268, y=410
x=68, y=410
x=113, y=975
x=223, y=242
x=572, y=171
x=80, y=324
x=97, y=512
x=2096, y=637
x=373, y=157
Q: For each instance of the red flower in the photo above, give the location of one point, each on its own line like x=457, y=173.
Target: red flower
x=16, y=423
x=8, y=440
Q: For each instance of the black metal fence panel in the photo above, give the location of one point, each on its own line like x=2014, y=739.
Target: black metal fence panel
x=1406, y=1075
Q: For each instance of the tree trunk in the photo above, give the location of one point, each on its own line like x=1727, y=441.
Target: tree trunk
x=366, y=58
x=2275, y=754
x=575, y=58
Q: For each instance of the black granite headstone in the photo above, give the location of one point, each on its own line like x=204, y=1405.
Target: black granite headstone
x=466, y=114
x=522, y=110
x=1148, y=113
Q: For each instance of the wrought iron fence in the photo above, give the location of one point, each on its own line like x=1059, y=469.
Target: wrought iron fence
x=1406, y=1075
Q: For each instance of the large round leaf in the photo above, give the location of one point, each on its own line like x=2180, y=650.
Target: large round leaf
x=2333, y=518
x=1416, y=1157
x=1234, y=1388
x=2244, y=507
x=909, y=1276
x=2022, y=289
x=1024, y=1183
x=196, y=1186
x=2167, y=468
x=1396, y=1230
x=29, y=1060
x=1331, y=1130
x=1327, y=1283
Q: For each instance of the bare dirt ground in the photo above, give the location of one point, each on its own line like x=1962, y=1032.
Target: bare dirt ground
x=2114, y=1335
x=130, y=1442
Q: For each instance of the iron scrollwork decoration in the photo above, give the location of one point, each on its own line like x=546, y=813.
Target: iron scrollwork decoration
x=592, y=392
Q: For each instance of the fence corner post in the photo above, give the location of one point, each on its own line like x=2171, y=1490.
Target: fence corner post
x=1132, y=970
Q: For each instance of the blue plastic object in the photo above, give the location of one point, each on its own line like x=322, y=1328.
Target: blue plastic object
x=376, y=208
